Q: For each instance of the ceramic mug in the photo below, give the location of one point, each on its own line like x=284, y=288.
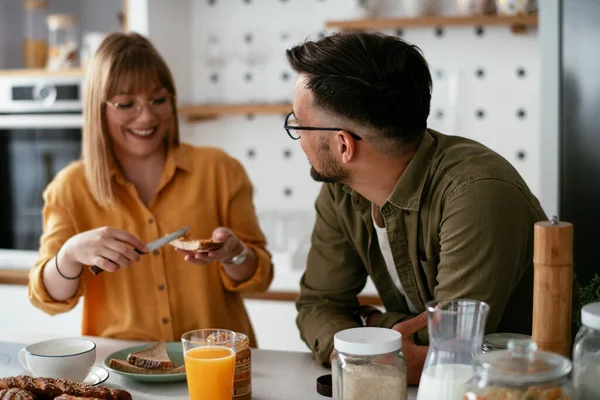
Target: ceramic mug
x=69, y=359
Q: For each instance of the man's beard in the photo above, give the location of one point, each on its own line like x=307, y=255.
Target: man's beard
x=331, y=170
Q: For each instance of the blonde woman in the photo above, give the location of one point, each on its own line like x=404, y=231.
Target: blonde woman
x=135, y=183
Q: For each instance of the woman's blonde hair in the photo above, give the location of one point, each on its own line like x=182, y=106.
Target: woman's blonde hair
x=124, y=63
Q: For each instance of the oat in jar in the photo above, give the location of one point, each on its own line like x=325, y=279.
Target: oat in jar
x=368, y=364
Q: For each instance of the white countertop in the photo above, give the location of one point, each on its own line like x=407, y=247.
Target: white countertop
x=17, y=259
x=276, y=375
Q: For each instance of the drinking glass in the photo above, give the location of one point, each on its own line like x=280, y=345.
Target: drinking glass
x=209, y=356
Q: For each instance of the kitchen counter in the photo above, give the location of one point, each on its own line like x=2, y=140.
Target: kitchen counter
x=276, y=375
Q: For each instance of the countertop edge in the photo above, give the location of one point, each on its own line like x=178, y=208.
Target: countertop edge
x=21, y=277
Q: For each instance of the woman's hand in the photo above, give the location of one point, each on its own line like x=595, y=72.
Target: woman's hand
x=232, y=247
x=106, y=247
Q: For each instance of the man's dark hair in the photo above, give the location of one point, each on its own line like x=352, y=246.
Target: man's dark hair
x=376, y=80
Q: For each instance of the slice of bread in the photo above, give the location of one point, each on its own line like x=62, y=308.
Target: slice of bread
x=190, y=244
x=124, y=366
x=154, y=357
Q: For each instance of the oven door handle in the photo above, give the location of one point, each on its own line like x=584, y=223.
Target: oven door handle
x=41, y=121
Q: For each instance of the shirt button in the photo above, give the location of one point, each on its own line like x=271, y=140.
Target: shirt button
x=406, y=212
x=156, y=252
x=165, y=320
x=151, y=220
x=161, y=287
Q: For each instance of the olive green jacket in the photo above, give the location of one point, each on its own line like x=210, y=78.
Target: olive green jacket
x=460, y=225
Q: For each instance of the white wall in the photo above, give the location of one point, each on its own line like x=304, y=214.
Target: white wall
x=233, y=52
x=486, y=87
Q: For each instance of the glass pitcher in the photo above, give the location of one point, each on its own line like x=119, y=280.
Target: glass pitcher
x=456, y=329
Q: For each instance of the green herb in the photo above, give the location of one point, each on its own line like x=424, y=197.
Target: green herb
x=590, y=293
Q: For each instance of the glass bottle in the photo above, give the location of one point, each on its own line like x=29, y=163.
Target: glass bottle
x=586, y=354
x=35, y=42
x=368, y=364
x=62, y=41
x=521, y=372
x=456, y=330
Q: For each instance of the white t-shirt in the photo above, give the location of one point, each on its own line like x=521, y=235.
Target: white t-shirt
x=384, y=246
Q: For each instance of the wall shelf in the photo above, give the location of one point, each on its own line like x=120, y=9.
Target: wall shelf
x=75, y=72
x=518, y=23
x=195, y=113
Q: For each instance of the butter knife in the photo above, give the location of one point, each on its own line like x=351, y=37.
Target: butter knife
x=151, y=246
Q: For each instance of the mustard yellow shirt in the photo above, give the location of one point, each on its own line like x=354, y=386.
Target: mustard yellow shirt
x=162, y=296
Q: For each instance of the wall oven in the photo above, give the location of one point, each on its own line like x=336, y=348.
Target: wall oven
x=40, y=133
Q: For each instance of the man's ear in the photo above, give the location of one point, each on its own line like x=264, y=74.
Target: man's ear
x=346, y=146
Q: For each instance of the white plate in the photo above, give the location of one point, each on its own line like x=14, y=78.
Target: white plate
x=96, y=376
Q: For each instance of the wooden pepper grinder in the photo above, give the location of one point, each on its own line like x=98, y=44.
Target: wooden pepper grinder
x=553, y=286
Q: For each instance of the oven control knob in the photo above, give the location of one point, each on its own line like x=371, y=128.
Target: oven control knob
x=46, y=93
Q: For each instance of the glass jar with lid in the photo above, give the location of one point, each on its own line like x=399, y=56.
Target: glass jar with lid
x=35, y=41
x=242, y=379
x=521, y=372
x=368, y=364
x=499, y=341
x=62, y=41
x=586, y=354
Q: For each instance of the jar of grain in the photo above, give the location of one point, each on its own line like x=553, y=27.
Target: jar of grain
x=242, y=380
x=62, y=42
x=368, y=364
x=521, y=372
x=35, y=43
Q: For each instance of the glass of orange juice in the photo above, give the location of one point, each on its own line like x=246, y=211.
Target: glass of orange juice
x=209, y=356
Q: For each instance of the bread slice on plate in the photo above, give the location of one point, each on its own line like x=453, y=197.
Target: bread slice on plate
x=191, y=244
x=154, y=357
x=124, y=366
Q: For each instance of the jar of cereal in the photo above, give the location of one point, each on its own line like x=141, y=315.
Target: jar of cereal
x=368, y=364
x=521, y=372
x=62, y=42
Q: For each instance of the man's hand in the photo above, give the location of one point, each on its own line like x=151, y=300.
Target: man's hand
x=415, y=355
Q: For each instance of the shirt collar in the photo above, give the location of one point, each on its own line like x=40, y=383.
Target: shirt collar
x=409, y=188
x=177, y=158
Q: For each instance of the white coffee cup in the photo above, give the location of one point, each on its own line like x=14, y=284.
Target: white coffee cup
x=69, y=359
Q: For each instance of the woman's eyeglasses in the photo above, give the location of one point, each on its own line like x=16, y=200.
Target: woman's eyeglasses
x=161, y=106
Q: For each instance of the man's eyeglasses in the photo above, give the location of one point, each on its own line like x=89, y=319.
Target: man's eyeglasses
x=294, y=131
x=161, y=106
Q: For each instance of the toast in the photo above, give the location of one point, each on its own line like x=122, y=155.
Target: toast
x=124, y=366
x=154, y=357
x=192, y=244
